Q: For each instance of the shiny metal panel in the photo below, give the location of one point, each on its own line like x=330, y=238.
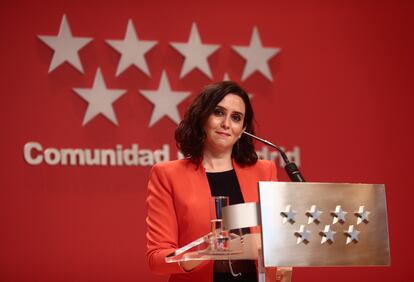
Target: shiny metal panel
x=241, y=215
x=313, y=231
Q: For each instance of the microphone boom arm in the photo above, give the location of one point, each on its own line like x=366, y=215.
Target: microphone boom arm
x=290, y=167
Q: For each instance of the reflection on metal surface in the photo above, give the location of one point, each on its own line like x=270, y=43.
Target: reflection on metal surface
x=344, y=244
x=338, y=215
x=288, y=215
x=313, y=215
x=362, y=215
x=352, y=235
x=241, y=215
x=303, y=235
x=327, y=235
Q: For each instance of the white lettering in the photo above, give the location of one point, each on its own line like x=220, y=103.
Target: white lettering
x=52, y=156
x=263, y=154
x=180, y=155
x=293, y=156
x=96, y=157
x=162, y=155
x=131, y=155
x=119, y=159
x=105, y=154
x=27, y=152
x=34, y=154
x=75, y=156
x=146, y=158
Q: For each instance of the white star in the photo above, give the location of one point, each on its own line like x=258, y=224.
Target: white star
x=303, y=235
x=165, y=100
x=195, y=53
x=65, y=46
x=288, y=214
x=100, y=99
x=327, y=234
x=339, y=215
x=313, y=215
x=257, y=56
x=132, y=50
x=352, y=234
x=226, y=77
x=362, y=215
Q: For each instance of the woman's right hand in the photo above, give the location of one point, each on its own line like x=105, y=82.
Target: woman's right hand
x=190, y=264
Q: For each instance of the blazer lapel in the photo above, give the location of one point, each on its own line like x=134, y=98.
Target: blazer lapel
x=246, y=181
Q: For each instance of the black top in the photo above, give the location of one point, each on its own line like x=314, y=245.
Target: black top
x=226, y=184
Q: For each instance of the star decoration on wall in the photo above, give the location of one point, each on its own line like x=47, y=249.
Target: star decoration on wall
x=256, y=56
x=165, y=101
x=338, y=215
x=65, y=46
x=288, y=215
x=352, y=235
x=100, y=99
x=303, y=235
x=132, y=50
x=196, y=53
x=313, y=215
x=362, y=215
x=327, y=235
x=226, y=77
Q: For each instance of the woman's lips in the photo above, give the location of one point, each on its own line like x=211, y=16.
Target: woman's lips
x=222, y=133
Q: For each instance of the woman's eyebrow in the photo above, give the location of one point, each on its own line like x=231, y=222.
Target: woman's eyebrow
x=239, y=113
x=223, y=108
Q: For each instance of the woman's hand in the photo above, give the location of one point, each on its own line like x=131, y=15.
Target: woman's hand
x=190, y=264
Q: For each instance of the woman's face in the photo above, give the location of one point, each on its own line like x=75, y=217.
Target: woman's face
x=225, y=125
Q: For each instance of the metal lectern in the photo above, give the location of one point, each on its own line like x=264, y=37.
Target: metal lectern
x=304, y=225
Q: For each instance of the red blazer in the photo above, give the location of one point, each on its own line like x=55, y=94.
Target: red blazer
x=178, y=211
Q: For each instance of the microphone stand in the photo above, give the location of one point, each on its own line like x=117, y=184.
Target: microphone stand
x=290, y=167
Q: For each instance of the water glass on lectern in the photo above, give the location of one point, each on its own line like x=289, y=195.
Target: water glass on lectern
x=219, y=240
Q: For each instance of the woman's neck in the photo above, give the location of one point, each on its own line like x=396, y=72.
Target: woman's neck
x=217, y=162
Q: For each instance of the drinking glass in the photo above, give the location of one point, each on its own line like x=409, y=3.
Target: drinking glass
x=219, y=239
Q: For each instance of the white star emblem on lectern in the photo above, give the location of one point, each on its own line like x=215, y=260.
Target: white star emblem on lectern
x=338, y=215
x=132, y=50
x=256, y=56
x=195, y=53
x=313, y=215
x=165, y=101
x=327, y=234
x=100, y=99
x=288, y=214
x=362, y=215
x=352, y=234
x=65, y=46
x=303, y=235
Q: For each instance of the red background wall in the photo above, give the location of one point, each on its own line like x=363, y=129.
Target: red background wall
x=342, y=92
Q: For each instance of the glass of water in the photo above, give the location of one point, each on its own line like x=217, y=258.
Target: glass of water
x=219, y=239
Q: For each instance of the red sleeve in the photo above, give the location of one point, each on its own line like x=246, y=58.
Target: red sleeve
x=162, y=229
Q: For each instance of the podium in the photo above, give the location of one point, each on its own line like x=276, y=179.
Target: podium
x=304, y=225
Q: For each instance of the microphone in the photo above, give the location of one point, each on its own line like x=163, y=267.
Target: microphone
x=291, y=169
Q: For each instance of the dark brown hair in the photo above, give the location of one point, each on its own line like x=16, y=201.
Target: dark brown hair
x=190, y=135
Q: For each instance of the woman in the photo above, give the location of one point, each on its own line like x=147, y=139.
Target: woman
x=219, y=161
